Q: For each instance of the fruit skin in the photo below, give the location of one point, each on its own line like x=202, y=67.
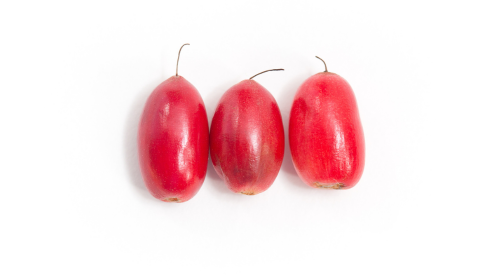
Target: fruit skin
x=325, y=133
x=247, y=140
x=173, y=141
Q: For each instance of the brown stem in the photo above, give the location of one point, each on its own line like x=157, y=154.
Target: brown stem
x=176, y=73
x=266, y=71
x=323, y=63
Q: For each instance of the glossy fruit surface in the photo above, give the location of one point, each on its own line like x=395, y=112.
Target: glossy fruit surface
x=247, y=139
x=173, y=141
x=325, y=133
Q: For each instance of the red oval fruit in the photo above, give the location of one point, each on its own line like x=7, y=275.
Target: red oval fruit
x=325, y=133
x=173, y=141
x=247, y=139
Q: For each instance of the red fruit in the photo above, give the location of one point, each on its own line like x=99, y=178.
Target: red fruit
x=247, y=139
x=173, y=141
x=325, y=133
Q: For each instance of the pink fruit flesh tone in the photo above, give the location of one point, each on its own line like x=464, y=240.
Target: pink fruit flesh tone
x=173, y=141
x=325, y=133
x=247, y=138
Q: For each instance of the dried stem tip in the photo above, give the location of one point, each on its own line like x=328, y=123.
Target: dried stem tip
x=176, y=72
x=266, y=71
x=323, y=63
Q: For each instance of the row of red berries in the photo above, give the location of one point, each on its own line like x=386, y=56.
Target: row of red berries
x=246, y=138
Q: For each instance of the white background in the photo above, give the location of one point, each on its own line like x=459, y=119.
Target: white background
x=73, y=81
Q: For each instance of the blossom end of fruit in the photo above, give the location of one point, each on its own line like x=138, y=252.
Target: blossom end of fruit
x=172, y=199
x=335, y=186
